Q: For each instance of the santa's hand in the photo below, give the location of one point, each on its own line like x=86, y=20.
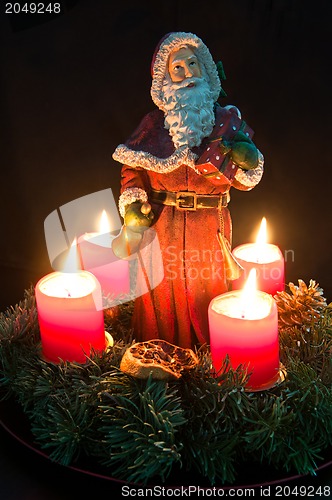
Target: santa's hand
x=241, y=150
x=244, y=154
x=138, y=216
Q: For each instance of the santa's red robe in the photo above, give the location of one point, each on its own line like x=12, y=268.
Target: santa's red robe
x=177, y=309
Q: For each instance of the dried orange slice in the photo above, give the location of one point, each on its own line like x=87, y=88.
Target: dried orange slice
x=163, y=360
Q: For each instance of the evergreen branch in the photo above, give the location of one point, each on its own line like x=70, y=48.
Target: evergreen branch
x=205, y=421
x=139, y=437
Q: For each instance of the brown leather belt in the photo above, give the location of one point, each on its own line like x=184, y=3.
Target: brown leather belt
x=189, y=200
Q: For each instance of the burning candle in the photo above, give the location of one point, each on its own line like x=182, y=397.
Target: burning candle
x=70, y=314
x=266, y=258
x=244, y=325
x=98, y=257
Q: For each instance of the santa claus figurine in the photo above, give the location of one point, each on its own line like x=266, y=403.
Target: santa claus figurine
x=178, y=168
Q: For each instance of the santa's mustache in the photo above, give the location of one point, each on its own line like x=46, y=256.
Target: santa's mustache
x=187, y=82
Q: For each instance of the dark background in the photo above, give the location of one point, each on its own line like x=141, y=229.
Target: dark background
x=75, y=85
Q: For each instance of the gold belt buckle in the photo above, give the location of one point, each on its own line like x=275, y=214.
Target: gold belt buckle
x=186, y=200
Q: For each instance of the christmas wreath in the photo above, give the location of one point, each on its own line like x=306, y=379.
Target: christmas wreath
x=202, y=422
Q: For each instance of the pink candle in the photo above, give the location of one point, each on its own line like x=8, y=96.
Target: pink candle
x=266, y=258
x=70, y=313
x=70, y=316
x=98, y=258
x=244, y=326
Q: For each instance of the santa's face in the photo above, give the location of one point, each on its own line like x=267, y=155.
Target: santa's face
x=183, y=64
x=188, y=100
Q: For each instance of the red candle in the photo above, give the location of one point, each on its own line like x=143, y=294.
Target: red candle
x=266, y=258
x=70, y=313
x=244, y=325
x=98, y=258
x=70, y=316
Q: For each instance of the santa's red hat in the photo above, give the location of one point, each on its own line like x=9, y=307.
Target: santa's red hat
x=174, y=41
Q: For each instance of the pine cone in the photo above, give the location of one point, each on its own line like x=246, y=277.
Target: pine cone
x=302, y=306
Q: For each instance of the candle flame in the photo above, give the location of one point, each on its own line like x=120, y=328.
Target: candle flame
x=72, y=263
x=248, y=296
x=250, y=288
x=250, y=285
x=262, y=233
x=261, y=246
x=104, y=224
x=104, y=229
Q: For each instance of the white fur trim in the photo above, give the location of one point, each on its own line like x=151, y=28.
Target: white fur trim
x=231, y=107
x=250, y=178
x=175, y=41
x=130, y=195
x=182, y=156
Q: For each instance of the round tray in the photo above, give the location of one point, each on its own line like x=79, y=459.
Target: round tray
x=16, y=423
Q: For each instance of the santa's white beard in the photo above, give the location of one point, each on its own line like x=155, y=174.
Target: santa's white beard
x=189, y=111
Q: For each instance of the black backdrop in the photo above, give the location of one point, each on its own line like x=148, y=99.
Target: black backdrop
x=74, y=86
